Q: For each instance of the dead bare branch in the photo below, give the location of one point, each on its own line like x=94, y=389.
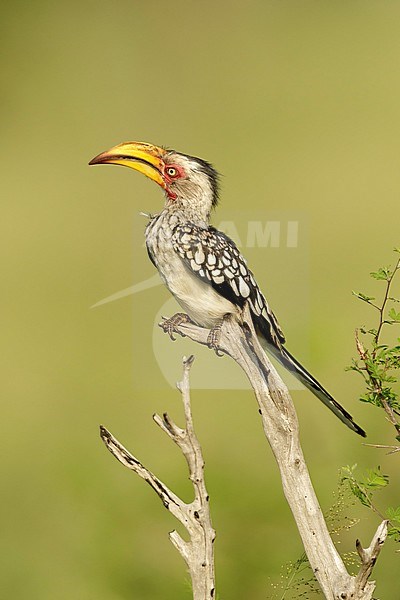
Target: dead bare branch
x=281, y=428
x=368, y=558
x=198, y=552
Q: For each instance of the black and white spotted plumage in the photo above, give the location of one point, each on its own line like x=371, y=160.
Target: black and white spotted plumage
x=214, y=257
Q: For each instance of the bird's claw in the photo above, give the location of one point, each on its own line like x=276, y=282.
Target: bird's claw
x=169, y=325
x=214, y=338
x=168, y=328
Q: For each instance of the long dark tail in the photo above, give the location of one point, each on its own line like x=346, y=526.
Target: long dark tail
x=290, y=363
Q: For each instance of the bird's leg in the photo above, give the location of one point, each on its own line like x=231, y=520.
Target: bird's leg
x=214, y=337
x=169, y=325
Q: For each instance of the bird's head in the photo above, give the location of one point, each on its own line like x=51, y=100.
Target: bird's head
x=190, y=183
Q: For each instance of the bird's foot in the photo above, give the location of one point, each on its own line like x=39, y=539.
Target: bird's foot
x=169, y=325
x=214, y=337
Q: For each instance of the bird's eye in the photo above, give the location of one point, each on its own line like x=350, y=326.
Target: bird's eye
x=172, y=172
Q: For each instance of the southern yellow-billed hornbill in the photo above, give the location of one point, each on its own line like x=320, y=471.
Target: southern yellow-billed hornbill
x=200, y=265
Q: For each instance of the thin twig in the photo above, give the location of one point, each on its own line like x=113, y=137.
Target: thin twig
x=393, y=449
x=198, y=552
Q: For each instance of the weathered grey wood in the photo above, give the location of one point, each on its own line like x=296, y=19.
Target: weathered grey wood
x=198, y=552
x=364, y=588
x=281, y=428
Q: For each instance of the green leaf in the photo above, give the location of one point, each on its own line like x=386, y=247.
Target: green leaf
x=360, y=494
x=394, y=532
x=362, y=296
x=374, y=479
x=356, y=488
x=370, y=331
x=393, y=514
x=395, y=316
x=384, y=273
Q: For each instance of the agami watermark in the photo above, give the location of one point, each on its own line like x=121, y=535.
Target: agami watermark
x=286, y=236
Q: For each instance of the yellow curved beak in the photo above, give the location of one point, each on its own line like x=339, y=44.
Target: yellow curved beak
x=142, y=157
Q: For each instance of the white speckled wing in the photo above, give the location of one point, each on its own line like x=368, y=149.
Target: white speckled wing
x=214, y=257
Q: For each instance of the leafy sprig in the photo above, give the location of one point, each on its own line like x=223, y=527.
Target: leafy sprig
x=364, y=488
x=378, y=362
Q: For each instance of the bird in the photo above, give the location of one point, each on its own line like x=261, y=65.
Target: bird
x=200, y=265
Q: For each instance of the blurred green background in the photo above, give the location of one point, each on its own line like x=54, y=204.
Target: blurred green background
x=297, y=104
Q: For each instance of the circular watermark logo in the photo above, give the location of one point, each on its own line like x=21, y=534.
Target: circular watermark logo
x=282, y=240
